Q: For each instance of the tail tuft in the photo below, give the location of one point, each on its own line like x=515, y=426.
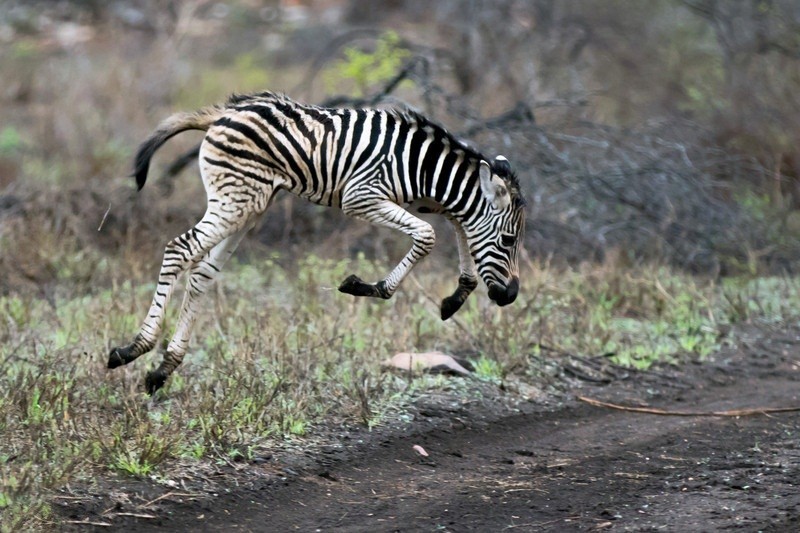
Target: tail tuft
x=142, y=160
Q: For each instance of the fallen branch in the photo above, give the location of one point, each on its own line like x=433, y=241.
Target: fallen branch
x=88, y=523
x=654, y=411
x=168, y=495
x=137, y=515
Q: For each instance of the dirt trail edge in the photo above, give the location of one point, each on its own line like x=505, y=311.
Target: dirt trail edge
x=579, y=468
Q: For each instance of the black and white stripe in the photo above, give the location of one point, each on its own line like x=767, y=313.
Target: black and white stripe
x=368, y=162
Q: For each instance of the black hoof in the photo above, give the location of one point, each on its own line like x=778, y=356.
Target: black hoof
x=154, y=380
x=453, y=303
x=118, y=357
x=450, y=305
x=357, y=287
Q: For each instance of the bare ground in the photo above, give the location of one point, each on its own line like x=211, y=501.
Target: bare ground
x=570, y=467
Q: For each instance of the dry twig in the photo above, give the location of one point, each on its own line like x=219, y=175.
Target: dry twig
x=654, y=411
x=89, y=523
x=137, y=515
x=168, y=495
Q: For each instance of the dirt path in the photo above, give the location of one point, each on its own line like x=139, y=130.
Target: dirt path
x=580, y=468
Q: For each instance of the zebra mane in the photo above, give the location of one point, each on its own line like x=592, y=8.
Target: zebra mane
x=238, y=98
x=421, y=121
x=499, y=166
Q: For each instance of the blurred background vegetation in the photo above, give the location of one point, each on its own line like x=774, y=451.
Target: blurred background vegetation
x=656, y=142
x=664, y=130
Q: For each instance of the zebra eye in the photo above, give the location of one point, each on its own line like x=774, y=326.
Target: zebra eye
x=508, y=240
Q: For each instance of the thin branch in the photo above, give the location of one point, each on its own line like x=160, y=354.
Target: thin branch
x=168, y=495
x=388, y=88
x=654, y=411
x=89, y=523
x=103, y=221
x=137, y=515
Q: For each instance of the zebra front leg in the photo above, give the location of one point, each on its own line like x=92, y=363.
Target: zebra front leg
x=453, y=303
x=468, y=279
x=386, y=213
x=202, y=276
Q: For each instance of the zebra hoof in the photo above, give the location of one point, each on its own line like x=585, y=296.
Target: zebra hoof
x=118, y=357
x=450, y=305
x=154, y=380
x=357, y=287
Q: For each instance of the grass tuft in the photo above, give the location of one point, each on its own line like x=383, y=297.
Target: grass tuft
x=280, y=352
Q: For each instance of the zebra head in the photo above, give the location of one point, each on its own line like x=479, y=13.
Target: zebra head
x=497, y=236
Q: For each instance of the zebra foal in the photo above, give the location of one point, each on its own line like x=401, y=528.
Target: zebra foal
x=368, y=162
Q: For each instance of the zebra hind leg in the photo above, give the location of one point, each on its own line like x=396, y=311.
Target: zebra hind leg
x=202, y=276
x=358, y=287
x=179, y=255
x=123, y=355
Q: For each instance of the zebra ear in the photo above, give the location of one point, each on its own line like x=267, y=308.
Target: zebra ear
x=493, y=188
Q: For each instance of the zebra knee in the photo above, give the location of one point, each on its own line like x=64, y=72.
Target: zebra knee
x=174, y=259
x=203, y=274
x=180, y=253
x=424, y=239
x=197, y=285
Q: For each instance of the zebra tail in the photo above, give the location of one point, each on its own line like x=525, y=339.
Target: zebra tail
x=177, y=123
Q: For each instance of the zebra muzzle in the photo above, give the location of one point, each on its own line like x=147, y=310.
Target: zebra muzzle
x=504, y=294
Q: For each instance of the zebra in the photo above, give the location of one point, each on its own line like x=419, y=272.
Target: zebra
x=371, y=163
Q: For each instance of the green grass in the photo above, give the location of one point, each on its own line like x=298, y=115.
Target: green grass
x=280, y=352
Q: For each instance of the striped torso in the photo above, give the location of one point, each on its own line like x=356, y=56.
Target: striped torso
x=316, y=152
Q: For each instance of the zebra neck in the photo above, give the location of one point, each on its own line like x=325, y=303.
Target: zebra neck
x=455, y=185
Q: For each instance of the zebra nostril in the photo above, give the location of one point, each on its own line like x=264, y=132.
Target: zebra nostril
x=495, y=292
x=512, y=289
x=504, y=294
